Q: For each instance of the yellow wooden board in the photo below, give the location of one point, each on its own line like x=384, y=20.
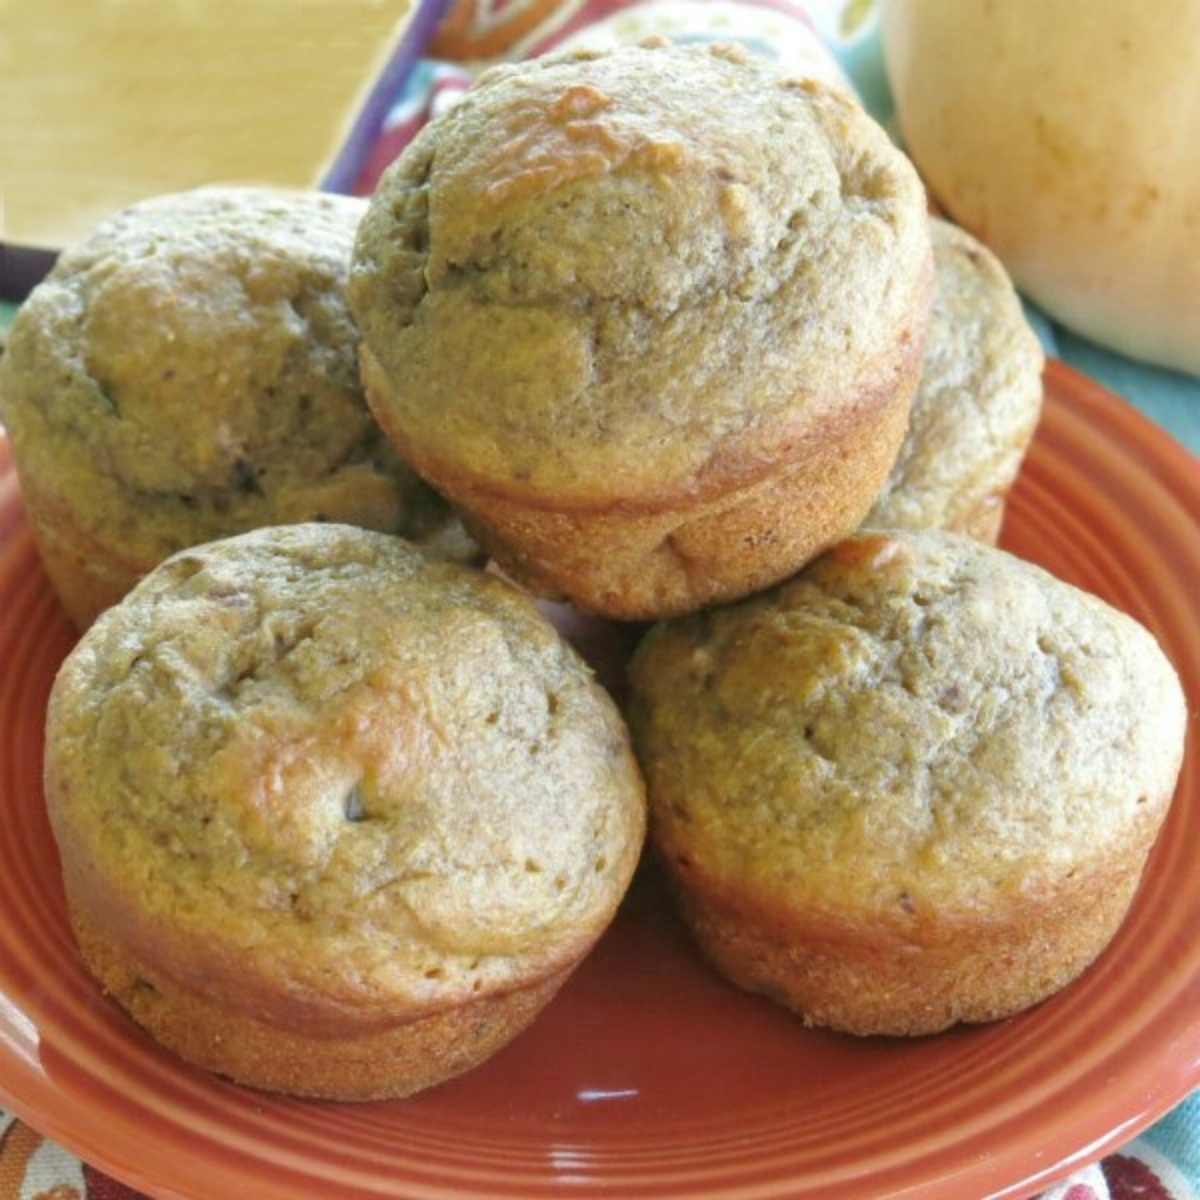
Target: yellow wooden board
x=104, y=102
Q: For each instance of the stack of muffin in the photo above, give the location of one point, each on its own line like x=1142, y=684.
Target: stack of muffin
x=655, y=330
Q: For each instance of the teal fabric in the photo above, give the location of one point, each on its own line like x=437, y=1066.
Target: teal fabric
x=6, y=313
x=1167, y=397
x=1177, y=1137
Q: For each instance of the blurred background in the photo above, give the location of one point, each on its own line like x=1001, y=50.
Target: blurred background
x=1067, y=137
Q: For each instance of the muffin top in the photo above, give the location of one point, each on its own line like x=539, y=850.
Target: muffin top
x=604, y=276
x=916, y=726
x=319, y=762
x=190, y=371
x=979, y=399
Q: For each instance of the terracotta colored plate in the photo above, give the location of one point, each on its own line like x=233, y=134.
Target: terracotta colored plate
x=649, y=1076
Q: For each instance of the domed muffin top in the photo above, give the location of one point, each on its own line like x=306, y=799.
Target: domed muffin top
x=317, y=760
x=190, y=371
x=918, y=725
x=979, y=399
x=605, y=275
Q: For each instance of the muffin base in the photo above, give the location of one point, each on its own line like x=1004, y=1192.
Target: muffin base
x=89, y=576
x=380, y=1065
x=86, y=576
x=734, y=535
x=979, y=515
x=962, y=971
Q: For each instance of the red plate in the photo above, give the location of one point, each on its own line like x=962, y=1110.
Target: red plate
x=648, y=1075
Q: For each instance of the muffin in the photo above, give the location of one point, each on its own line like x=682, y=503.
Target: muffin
x=913, y=786
x=978, y=402
x=652, y=318
x=189, y=372
x=336, y=817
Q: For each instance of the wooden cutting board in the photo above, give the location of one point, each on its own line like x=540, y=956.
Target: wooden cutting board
x=104, y=102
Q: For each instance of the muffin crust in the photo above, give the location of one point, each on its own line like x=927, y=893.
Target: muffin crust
x=978, y=402
x=189, y=372
x=610, y=297
x=317, y=789
x=915, y=785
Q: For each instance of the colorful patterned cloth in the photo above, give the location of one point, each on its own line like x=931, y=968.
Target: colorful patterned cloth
x=1162, y=1164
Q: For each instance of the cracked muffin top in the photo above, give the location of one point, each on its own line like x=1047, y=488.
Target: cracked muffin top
x=979, y=398
x=915, y=725
x=601, y=275
x=318, y=762
x=190, y=371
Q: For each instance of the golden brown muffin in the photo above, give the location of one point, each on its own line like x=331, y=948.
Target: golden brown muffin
x=913, y=786
x=336, y=817
x=978, y=402
x=652, y=318
x=189, y=372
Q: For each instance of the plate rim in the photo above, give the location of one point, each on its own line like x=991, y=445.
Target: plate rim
x=1153, y=447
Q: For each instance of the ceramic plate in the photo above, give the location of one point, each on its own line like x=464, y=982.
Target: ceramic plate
x=648, y=1075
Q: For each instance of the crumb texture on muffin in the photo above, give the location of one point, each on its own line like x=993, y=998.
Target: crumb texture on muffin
x=978, y=402
x=389, y=1062
x=627, y=278
x=190, y=371
x=921, y=762
x=330, y=784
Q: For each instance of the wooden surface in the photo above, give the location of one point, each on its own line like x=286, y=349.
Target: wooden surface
x=107, y=101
